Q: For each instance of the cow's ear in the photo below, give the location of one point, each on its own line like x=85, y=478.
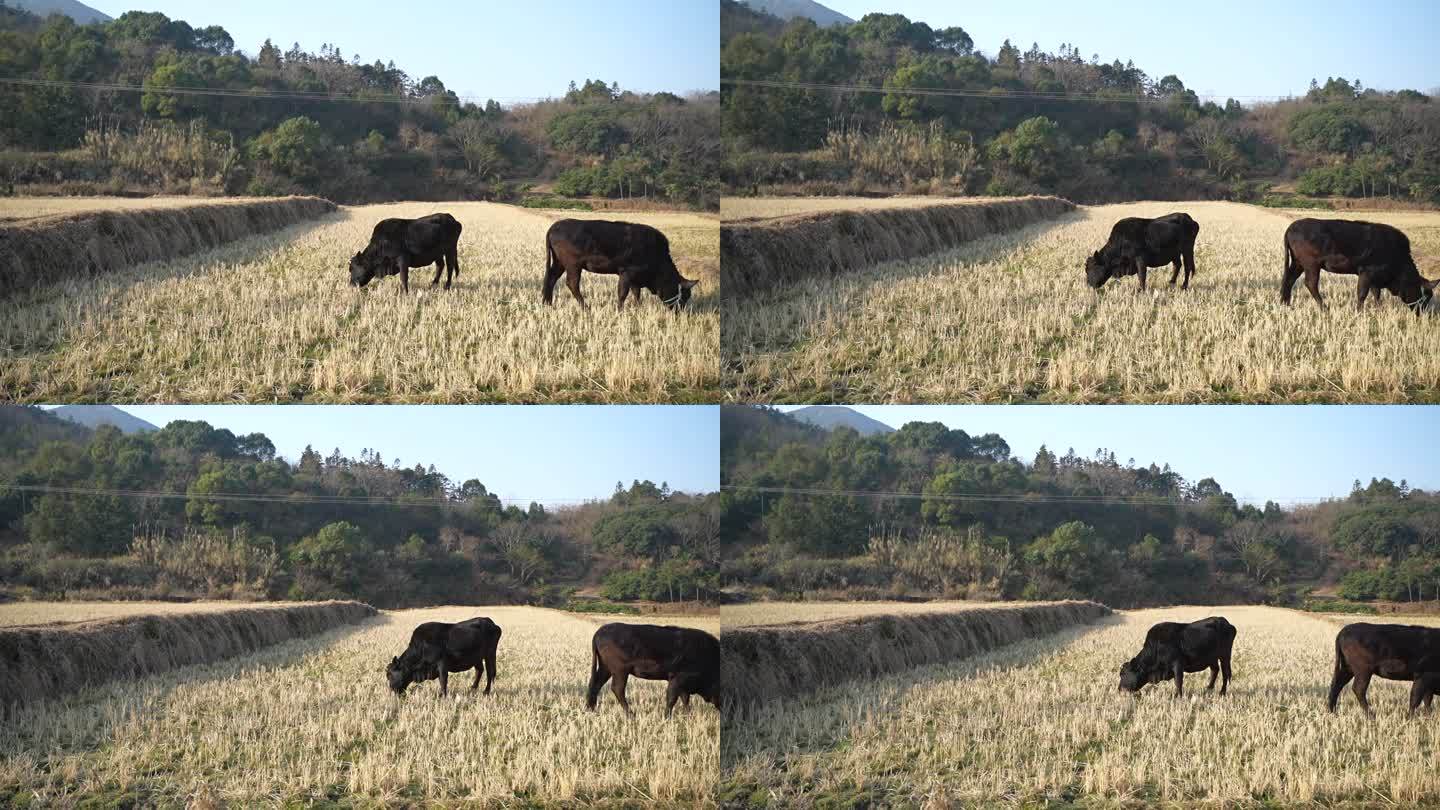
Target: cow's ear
x=687, y=283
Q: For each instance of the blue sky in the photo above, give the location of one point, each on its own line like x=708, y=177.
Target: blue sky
x=1224, y=47
x=488, y=48
x=1258, y=453
x=537, y=452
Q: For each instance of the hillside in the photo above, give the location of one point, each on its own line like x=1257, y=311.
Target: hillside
x=830, y=417
x=252, y=136
x=806, y=9
x=1001, y=119
x=93, y=416
x=242, y=523
x=77, y=11
x=976, y=522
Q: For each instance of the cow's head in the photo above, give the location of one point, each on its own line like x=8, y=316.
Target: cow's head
x=1097, y=270
x=361, y=270
x=1421, y=297
x=675, y=291
x=407, y=669
x=399, y=676
x=1143, y=669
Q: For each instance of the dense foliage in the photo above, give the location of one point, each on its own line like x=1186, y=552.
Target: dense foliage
x=988, y=525
x=262, y=125
x=1040, y=122
x=191, y=510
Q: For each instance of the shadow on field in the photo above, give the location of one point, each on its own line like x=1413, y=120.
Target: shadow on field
x=117, y=700
x=251, y=248
x=903, y=269
x=887, y=694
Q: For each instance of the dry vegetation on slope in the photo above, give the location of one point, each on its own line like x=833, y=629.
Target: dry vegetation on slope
x=272, y=319
x=1009, y=318
x=312, y=721
x=1042, y=721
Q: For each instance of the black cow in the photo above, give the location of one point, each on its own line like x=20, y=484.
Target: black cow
x=438, y=649
x=1137, y=244
x=1378, y=254
x=688, y=659
x=396, y=245
x=1174, y=648
x=1397, y=652
x=638, y=254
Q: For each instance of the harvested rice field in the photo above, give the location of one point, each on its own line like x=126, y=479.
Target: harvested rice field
x=312, y=722
x=1008, y=318
x=273, y=318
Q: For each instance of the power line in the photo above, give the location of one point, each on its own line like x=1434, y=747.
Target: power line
x=1134, y=500
x=287, y=95
x=296, y=499
x=1022, y=95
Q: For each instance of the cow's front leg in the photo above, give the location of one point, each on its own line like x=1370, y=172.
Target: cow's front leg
x=672, y=694
x=444, y=680
x=1362, y=291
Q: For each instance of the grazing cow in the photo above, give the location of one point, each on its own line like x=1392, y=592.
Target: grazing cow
x=638, y=254
x=1137, y=244
x=1378, y=254
x=396, y=245
x=688, y=659
x=438, y=649
x=1174, y=648
x=1397, y=652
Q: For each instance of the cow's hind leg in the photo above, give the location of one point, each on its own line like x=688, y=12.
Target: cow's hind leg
x=572, y=280
x=439, y=268
x=1360, y=687
x=1214, y=674
x=1362, y=291
x=598, y=676
x=624, y=289
x=1224, y=674
x=1312, y=283
x=479, y=671
x=1175, y=272
x=1189, y=257
x=444, y=680
x=1342, y=676
x=489, y=672
x=618, y=687
x=452, y=266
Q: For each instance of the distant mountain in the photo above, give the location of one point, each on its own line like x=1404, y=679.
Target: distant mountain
x=830, y=417
x=77, y=11
x=790, y=9
x=93, y=416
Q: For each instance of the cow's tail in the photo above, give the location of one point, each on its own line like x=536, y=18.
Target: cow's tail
x=1342, y=674
x=597, y=676
x=547, y=292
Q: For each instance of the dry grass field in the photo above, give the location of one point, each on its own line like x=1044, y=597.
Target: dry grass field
x=1042, y=721
x=1009, y=318
x=15, y=208
x=15, y=614
x=312, y=722
x=273, y=319
x=736, y=208
x=762, y=613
